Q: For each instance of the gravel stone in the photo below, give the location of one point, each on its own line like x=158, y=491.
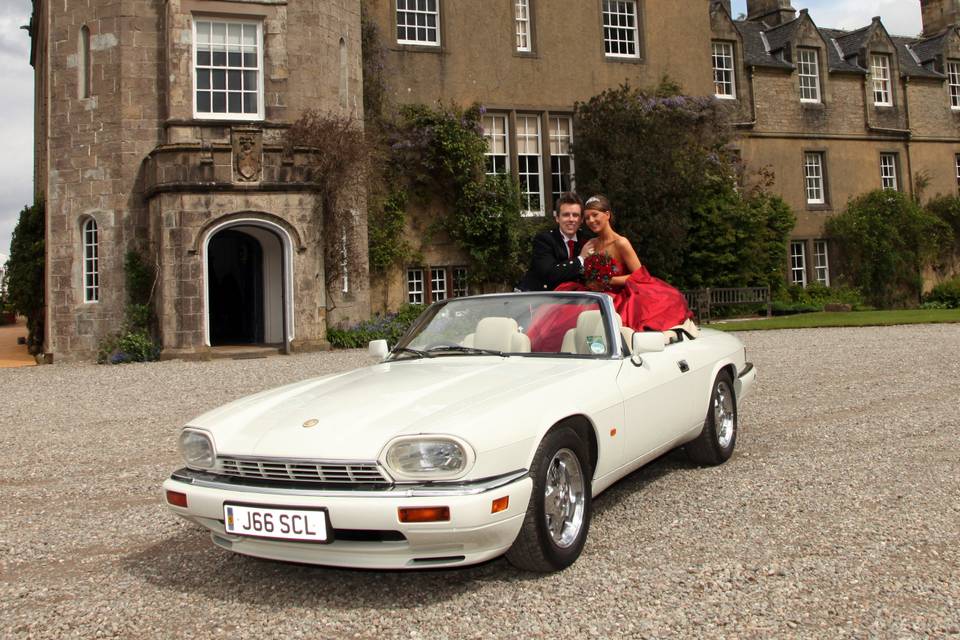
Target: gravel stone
x=838, y=516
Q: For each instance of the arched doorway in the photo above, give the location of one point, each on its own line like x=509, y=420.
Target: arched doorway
x=245, y=286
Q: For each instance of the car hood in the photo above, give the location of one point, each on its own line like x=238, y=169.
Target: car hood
x=357, y=413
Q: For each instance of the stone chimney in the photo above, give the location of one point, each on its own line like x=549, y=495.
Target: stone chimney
x=774, y=12
x=727, y=4
x=938, y=15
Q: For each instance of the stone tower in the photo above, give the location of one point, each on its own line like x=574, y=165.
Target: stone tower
x=938, y=15
x=160, y=128
x=773, y=12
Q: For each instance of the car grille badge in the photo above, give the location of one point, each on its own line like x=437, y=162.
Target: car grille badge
x=312, y=422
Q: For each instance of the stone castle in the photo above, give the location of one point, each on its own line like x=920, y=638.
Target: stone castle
x=160, y=128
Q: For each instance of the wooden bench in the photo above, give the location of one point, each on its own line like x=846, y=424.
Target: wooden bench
x=701, y=301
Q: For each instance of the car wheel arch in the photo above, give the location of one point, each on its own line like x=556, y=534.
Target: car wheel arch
x=584, y=428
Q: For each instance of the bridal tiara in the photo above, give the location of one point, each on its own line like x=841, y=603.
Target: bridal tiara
x=592, y=199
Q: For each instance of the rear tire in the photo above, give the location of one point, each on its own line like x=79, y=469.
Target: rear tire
x=715, y=443
x=555, y=526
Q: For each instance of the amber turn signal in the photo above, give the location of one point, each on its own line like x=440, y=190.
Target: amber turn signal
x=177, y=499
x=424, y=514
x=500, y=504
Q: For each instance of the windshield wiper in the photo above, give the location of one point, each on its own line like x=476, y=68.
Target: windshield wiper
x=461, y=349
x=415, y=352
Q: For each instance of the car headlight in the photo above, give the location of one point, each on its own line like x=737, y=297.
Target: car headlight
x=429, y=458
x=197, y=450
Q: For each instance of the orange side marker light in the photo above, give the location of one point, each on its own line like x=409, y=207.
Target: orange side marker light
x=500, y=504
x=177, y=499
x=613, y=432
x=424, y=514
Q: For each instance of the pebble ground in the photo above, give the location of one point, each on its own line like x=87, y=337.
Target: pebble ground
x=838, y=516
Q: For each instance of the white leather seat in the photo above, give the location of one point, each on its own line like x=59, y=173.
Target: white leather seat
x=588, y=333
x=498, y=334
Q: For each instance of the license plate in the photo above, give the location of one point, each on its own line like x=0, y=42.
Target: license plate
x=303, y=524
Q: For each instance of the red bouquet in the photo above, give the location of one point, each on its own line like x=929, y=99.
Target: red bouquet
x=597, y=271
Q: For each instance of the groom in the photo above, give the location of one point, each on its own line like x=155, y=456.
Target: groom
x=557, y=253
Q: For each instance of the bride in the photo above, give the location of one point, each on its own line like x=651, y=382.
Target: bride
x=644, y=303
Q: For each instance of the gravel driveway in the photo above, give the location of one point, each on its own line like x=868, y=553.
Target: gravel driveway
x=838, y=516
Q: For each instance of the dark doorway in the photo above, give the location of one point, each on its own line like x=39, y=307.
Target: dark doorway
x=235, y=277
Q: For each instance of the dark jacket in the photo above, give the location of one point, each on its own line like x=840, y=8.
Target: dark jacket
x=550, y=264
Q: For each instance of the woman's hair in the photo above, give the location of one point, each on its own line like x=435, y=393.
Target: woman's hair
x=599, y=202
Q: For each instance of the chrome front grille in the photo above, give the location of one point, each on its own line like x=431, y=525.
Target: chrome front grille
x=316, y=471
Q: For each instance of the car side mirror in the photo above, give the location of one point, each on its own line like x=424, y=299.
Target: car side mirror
x=645, y=342
x=378, y=349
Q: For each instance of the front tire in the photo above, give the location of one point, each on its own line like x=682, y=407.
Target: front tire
x=555, y=527
x=715, y=443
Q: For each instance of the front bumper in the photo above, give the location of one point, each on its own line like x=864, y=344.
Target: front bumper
x=377, y=539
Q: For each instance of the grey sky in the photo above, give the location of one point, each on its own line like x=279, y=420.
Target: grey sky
x=16, y=116
x=901, y=17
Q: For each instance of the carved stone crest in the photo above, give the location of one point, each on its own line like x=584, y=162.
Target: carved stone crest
x=247, y=155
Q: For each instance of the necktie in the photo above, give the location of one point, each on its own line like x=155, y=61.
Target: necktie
x=570, y=245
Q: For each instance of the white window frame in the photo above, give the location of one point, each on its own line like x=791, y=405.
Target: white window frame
x=956, y=162
x=808, y=70
x=523, y=23
x=953, y=82
x=525, y=135
x=880, y=72
x=415, y=285
x=889, y=178
x=798, y=263
x=496, y=131
x=228, y=115
x=814, y=177
x=415, y=13
x=621, y=29
x=821, y=262
x=723, y=71
x=438, y=284
x=560, y=142
x=91, y=260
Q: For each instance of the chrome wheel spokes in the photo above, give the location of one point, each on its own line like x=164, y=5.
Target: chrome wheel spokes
x=563, y=498
x=724, y=414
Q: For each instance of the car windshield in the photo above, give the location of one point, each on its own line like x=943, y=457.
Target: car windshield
x=562, y=325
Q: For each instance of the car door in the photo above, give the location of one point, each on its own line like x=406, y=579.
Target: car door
x=657, y=400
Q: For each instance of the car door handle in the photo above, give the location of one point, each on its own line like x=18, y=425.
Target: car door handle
x=684, y=367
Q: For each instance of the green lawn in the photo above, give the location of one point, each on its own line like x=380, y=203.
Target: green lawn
x=842, y=319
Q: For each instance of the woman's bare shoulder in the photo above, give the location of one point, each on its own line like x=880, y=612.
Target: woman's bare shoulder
x=622, y=242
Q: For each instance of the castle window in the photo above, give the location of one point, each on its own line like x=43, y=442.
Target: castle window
x=620, y=30
x=522, y=21
x=83, y=64
x=415, y=286
x=498, y=144
x=956, y=162
x=561, y=163
x=460, y=282
x=813, y=173
x=888, y=171
x=808, y=68
x=821, y=265
x=724, y=85
x=880, y=71
x=953, y=79
x=798, y=264
x=528, y=162
x=228, y=69
x=91, y=261
x=418, y=22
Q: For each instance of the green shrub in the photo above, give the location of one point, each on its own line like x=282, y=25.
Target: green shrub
x=132, y=346
x=885, y=240
x=389, y=327
x=818, y=295
x=946, y=295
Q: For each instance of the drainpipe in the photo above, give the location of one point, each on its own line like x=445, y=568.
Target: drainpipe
x=753, y=104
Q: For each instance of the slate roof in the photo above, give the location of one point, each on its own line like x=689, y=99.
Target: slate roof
x=763, y=46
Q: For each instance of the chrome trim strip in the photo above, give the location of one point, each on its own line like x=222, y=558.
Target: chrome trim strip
x=209, y=481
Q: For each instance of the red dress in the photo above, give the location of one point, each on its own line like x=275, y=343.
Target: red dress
x=644, y=303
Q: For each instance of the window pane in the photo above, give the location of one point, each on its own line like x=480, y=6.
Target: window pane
x=219, y=58
x=219, y=102
x=250, y=102
x=219, y=78
x=203, y=101
x=203, y=58
x=234, y=102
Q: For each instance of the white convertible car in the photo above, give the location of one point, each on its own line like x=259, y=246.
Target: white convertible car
x=487, y=430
